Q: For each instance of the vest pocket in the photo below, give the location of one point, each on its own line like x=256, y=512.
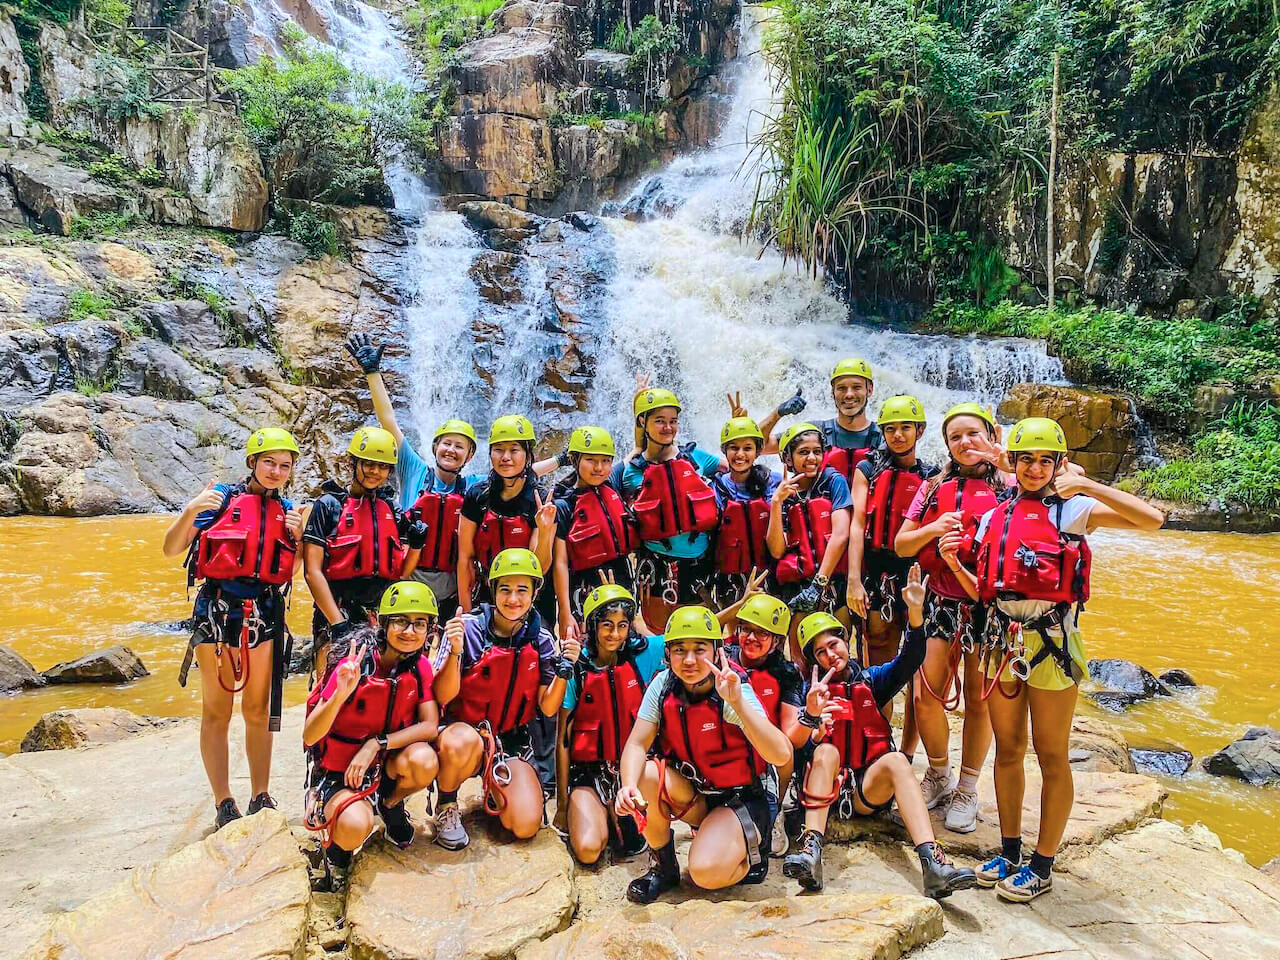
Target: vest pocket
x=703, y=510
x=344, y=560
x=225, y=553
x=588, y=546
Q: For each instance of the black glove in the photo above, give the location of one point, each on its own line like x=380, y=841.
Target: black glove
x=807, y=600
x=416, y=535
x=564, y=668
x=565, y=458
x=360, y=346
x=789, y=408
x=340, y=629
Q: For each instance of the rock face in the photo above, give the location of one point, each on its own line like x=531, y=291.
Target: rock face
x=88, y=726
x=1254, y=758
x=1102, y=429
x=16, y=673
x=56, y=193
x=1098, y=747
x=243, y=892
x=116, y=664
x=14, y=80
x=1162, y=761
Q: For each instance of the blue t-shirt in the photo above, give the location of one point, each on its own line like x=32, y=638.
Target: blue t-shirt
x=628, y=478
x=831, y=485
x=416, y=476
x=648, y=662
x=728, y=489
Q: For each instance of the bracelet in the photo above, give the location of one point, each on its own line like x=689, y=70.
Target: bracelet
x=820, y=581
x=809, y=720
x=564, y=669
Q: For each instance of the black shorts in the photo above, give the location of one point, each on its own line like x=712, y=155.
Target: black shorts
x=728, y=588
x=326, y=784
x=755, y=801
x=953, y=619
x=885, y=577
x=581, y=584
x=228, y=617
x=600, y=777
x=689, y=579
x=832, y=601
x=355, y=598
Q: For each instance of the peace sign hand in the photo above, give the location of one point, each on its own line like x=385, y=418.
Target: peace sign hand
x=736, y=409
x=545, y=517
x=787, y=489
x=755, y=583
x=728, y=683
x=819, y=694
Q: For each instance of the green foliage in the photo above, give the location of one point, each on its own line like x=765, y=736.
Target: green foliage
x=128, y=96
x=150, y=177
x=112, y=11
x=113, y=169
x=314, y=232
x=87, y=303
x=620, y=40
x=653, y=45
x=100, y=225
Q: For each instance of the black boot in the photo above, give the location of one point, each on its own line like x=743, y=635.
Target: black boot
x=227, y=811
x=262, y=801
x=630, y=840
x=941, y=877
x=663, y=875
x=398, y=826
x=805, y=865
x=337, y=867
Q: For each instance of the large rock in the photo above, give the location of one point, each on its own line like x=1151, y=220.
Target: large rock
x=1164, y=761
x=16, y=673
x=243, y=892
x=14, y=80
x=594, y=161
x=517, y=72
x=1102, y=429
x=1099, y=747
x=830, y=927
x=500, y=156
x=1254, y=758
x=88, y=726
x=1252, y=261
x=1127, y=677
x=115, y=664
x=56, y=193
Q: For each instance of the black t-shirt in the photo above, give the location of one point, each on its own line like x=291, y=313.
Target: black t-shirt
x=476, y=503
x=790, y=682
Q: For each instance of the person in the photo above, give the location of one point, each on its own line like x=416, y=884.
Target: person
x=808, y=525
x=852, y=763
x=944, y=507
x=742, y=494
x=850, y=436
x=1033, y=565
x=711, y=741
x=356, y=542
x=601, y=702
x=668, y=489
x=239, y=608
x=595, y=534
x=501, y=669
x=430, y=493
x=369, y=727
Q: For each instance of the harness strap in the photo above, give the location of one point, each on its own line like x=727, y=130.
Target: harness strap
x=324, y=826
x=492, y=768
x=665, y=798
x=750, y=833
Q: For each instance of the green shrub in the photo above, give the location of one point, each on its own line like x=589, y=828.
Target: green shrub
x=113, y=169
x=87, y=303
x=112, y=11
x=314, y=232
x=150, y=177
x=101, y=224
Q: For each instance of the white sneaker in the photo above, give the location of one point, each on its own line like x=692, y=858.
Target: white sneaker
x=962, y=815
x=450, y=833
x=937, y=790
x=781, y=842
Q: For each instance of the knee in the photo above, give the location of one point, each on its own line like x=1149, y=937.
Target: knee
x=974, y=705
x=826, y=758
x=896, y=762
x=353, y=826
x=587, y=845
x=648, y=784
x=525, y=827
x=217, y=714
x=419, y=766
x=1010, y=750
x=1054, y=758
x=254, y=710
x=460, y=745
x=706, y=872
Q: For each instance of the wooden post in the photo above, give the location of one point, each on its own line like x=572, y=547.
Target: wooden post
x=1050, y=251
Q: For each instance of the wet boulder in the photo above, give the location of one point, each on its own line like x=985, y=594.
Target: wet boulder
x=67, y=729
x=1102, y=429
x=117, y=664
x=1124, y=682
x=1177, y=677
x=1254, y=758
x=1164, y=761
x=16, y=673
x=1098, y=747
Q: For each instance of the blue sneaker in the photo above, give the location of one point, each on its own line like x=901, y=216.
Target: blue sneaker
x=1024, y=885
x=994, y=870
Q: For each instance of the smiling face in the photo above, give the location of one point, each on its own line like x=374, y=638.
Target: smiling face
x=850, y=395
x=662, y=424
x=513, y=596
x=271, y=470
x=408, y=633
x=508, y=458
x=593, y=468
x=612, y=630
x=967, y=438
x=1035, y=469
x=370, y=474
x=452, y=451
x=805, y=455
x=901, y=437
x=691, y=659
x=741, y=454
x=830, y=650
x=755, y=643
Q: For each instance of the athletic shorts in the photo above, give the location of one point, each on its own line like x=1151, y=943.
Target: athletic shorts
x=269, y=607
x=1048, y=674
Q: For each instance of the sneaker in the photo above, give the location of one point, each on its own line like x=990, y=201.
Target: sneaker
x=781, y=841
x=227, y=811
x=962, y=815
x=663, y=875
x=937, y=790
x=1024, y=885
x=450, y=833
x=262, y=801
x=941, y=877
x=995, y=870
x=805, y=865
x=396, y=824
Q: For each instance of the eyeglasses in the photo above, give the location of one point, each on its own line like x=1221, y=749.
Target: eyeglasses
x=750, y=630
x=420, y=625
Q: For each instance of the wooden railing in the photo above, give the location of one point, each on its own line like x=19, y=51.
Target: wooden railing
x=178, y=68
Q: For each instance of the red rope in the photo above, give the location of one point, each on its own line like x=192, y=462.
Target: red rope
x=323, y=827
x=239, y=665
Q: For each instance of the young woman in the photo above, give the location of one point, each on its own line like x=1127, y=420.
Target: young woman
x=594, y=531
x=1033, y=566
x=600, y=708
x=353, y=547
x=944, y=508
x=669, y=490
x=713, y=743
x=851, y=762
x=501, y=670
x=743, y=494
x=241, y=540
x=809, y=526
x=369, y=727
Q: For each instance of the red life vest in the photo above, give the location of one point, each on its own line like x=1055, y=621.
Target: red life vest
x=888, y=500
x=863, y=736
x=1025, y=555
x=740, y=542
x=607, y=708
x=697, y=734
x=378, y=706
x=674, y=499
x=845, y=462
x=973, y=497
x=439, y=511
x=496, y=533
x=501, y=687
x=601, y=531
x=247, y=539
x=808, y=532
x=365, y=541
x=768, y=690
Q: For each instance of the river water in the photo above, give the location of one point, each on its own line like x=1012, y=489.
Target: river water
x=1209, y=603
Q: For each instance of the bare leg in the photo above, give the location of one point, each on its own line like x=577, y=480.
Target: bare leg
x=931, y=717
x=354, y=826
x=461, y=752
x=588, y=825
x=1009, y=721
x=215, y=719
x=819, y=781
x=255, y=704
x=522, y=811
x=413, y=768
x=657, y=832
x=889, y=777
x=718, y=856
x=977, y=723
x=1051, y=712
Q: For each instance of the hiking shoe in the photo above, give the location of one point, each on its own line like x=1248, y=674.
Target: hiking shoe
x=262, y=801
x=227, y=811
x=805, y=865
x=937, y=790
x=1024, y=885
x=663, y=875
x=995, y=870
x=941, y=877
x=962, y=815
x=780, y=842
x=396, y=824
x=450, y=833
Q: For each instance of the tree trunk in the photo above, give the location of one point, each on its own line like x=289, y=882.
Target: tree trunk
x=1050, y=250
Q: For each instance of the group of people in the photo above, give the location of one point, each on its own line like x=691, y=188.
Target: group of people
x=673, y=635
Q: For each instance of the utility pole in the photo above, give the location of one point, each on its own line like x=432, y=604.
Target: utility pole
x=1050, y=251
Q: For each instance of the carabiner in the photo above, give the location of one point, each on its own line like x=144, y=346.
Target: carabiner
x=1020, y=668
x=671, y=586
x=844, y=809
x=500, y=772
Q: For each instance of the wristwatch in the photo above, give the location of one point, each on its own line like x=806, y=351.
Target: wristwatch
x=382, y=741
x=821, y=582
x=564, y=668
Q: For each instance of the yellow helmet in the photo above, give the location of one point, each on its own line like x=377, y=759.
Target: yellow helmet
x=512, y=427
x=373, y=443
x=604, y=595
x=514, y=562
x=852, y=367
x=901, y=409
x=969, y=409
x=813, y=626
x=459, y=427
x=268, y=439
x=408, y=596
x=594, y=440
x=738, y=428
x=692, y=623
x=1037, y=433
x=652, y=399
x=767, y=613
x=790, y=434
